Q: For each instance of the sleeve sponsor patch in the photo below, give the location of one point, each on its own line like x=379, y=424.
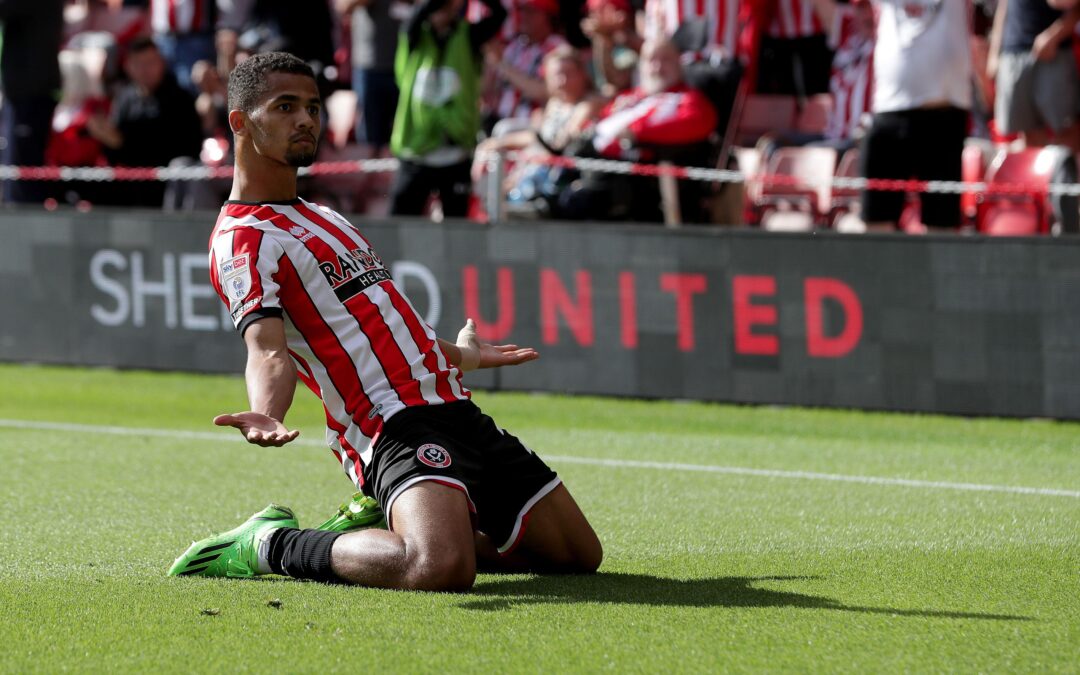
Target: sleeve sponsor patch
x=235, y=275
x=243, y=309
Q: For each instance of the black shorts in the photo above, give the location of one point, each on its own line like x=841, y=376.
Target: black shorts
x=457, y=445
x=921, y=144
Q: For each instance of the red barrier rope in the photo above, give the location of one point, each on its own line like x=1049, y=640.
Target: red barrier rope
x=354, y=167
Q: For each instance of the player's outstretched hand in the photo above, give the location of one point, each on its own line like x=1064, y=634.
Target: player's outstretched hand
x=476, y=354
x=258, y=428
x=493, y=356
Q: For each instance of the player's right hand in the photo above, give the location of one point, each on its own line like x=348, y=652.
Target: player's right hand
x=258, y=428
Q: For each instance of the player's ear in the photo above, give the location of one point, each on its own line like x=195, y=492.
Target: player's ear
x=238, y=122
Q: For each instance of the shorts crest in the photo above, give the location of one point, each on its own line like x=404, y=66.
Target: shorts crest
x=433, y=455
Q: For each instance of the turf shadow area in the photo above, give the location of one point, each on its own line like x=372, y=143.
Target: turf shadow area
x=643, y=589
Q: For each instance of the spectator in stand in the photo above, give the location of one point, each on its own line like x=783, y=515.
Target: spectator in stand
x=212, y=102
x=184, y=32
x=153, y=120
x=81, y=98
x=70, y=143
x=122, y=20
x=922, y=95
x=851, y=36
x=615, y=44
x=375, y=26
x=29, y=77
x=717, y=41
x=519, y=88
x=438, y=70
x=571, y=106
x=1038, y=89
x=662, y=119
x=233, y=19
x=795, y=59
x=302, y=28
x=724, y=22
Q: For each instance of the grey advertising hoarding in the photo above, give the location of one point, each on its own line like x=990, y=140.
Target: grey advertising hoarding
x=936, y=324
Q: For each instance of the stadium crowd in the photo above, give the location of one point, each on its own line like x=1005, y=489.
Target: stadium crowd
x=787, y=91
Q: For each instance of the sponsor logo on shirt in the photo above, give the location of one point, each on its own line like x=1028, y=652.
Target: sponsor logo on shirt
x=235, y=274
x=351, y=274
x=243, y=309
x=233, y=266
x=300, y=233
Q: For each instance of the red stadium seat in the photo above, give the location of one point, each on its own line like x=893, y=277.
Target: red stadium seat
x=1011, y=220
x=765, y=114
x=805, y=188
x=1014, y=214
x=814, y=116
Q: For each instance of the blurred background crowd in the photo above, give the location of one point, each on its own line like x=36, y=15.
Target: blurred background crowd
x=479, y=95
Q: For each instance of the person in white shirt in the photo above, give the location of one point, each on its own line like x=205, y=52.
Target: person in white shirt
x=921, y=103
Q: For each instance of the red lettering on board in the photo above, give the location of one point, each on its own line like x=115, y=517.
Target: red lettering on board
x=816, y=291
x=628, y=306
x=749, y=315
x=504, y=322
x=684, y=286
x=556, y=300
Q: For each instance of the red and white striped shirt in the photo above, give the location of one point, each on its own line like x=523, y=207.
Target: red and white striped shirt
x=181, y=16
x=852, y=80
x=795, y=19
x=355, y=338
x=663, y=18
x=526, y=57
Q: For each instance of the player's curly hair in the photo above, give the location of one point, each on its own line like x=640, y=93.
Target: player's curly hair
x=249, y=80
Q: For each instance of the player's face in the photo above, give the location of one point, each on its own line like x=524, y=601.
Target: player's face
x=286, y=124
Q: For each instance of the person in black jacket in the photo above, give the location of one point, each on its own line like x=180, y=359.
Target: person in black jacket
x=153, y=120
x=30, y=78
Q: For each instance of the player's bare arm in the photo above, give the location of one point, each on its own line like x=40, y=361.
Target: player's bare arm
x=271, y=383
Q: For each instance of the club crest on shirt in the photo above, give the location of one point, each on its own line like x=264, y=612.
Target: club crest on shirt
x=433, y=455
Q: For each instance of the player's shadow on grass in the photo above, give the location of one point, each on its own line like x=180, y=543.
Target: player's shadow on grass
x=641, y=589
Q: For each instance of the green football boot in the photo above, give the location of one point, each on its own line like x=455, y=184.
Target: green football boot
x=359, y=513
x=234, y=553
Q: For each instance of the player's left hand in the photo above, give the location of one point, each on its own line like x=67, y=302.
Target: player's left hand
x=476, y=354
x=493, y=356
x=258, y=428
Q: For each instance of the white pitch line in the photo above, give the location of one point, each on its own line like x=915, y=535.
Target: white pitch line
x=590, y=461
x=810, y=475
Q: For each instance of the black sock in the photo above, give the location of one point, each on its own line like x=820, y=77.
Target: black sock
x=302, y=554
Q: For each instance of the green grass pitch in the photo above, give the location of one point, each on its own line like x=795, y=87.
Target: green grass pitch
x=708, y=567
